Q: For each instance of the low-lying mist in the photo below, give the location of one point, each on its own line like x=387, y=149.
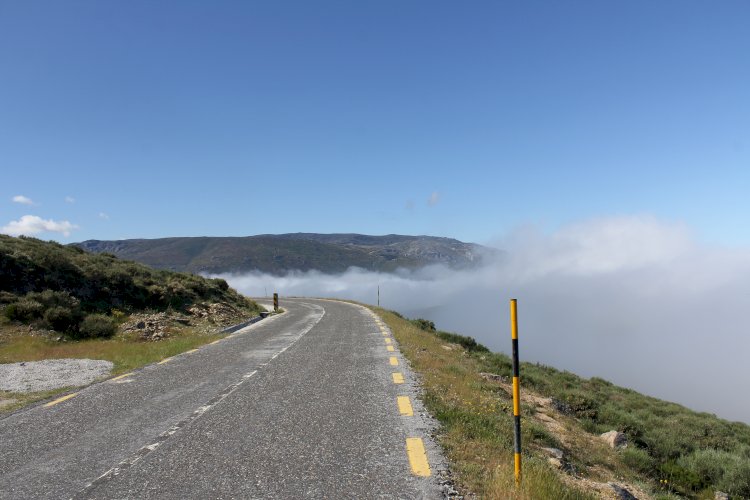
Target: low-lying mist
x=630, y=299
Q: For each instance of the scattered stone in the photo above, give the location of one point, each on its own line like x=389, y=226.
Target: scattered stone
x=149, y=326
x=622, y=493
x=720, y=495
x=615, y=439
x=447, y=484
x=494, y=377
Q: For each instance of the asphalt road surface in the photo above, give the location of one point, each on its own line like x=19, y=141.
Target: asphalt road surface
x=313, y=403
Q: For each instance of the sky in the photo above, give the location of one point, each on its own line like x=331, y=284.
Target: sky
x=150, y=119
x=604, y=146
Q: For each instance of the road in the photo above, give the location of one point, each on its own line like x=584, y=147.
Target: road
x=306, y=404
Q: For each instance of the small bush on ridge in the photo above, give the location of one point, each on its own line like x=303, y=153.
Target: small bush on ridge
x=96, y=325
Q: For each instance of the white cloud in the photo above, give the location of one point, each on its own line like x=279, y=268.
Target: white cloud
x=23, y=200
x=632, y=299
x=434, y=199
x=32, y=224
x=104, y=216
x=70, y=199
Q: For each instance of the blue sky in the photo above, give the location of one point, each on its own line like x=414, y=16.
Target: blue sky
x=462, y=119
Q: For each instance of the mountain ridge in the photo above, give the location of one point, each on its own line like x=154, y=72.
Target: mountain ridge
x=280, y=253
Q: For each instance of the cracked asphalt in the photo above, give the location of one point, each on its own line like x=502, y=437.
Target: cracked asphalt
x=301, y=405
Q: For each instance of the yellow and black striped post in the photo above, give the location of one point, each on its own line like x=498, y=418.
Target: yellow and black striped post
x=275, y=302
x=516, y=391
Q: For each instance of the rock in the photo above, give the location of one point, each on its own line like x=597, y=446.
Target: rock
x=556, y=459
x=720, y=495
x=615, y=439
x=554, y=453
x=141, y=325
x=622, y=493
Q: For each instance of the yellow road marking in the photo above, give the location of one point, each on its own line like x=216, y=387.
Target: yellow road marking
x=387, y=341
x=167, y=360
x=394, y=361
x=398, y=378
x=404, y=406
x=60, y=400
x=121, y=376
x=390, y=348
x=215, y=341
x=385, y=334
x=191, y=351
x=417, y=457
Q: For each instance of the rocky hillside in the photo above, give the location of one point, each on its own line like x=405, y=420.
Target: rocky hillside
x=582, y=438
x=49, y=286
x=299, y=251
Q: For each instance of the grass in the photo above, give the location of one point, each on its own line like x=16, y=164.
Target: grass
x=125, y=351
x=476, y=419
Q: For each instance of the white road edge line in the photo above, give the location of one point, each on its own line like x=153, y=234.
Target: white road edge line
x=145, y=450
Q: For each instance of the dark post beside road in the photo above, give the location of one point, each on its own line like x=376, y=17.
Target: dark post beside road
x=516, y=391
x=275, y=302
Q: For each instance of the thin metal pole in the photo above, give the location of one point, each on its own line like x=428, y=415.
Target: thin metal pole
x=516, y=391
x=378, y=295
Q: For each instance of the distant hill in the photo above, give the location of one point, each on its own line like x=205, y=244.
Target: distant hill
x=278, y=254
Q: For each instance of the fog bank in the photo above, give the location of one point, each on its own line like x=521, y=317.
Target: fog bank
x=630, y=299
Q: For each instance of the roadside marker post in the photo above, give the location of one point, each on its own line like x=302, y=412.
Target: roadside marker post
x=275, y=302
x=516, y=392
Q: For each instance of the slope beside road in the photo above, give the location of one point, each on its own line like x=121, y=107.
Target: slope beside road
x=316, y=402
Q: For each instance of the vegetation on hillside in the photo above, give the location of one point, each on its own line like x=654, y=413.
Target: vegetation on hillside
x=673, y=452
x=279, y=254
x=63, y=288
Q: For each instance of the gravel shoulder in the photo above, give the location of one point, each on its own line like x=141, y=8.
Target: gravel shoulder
x=35, y=376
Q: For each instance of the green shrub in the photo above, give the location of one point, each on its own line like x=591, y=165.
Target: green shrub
x=467, y=343
x=222, y=284
x=96, y=325
x=681, y=476
x=730, y=472
x=423, y=324
x=61, y=319
x=24, y=310
x=580, y=403
x=637, y=459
